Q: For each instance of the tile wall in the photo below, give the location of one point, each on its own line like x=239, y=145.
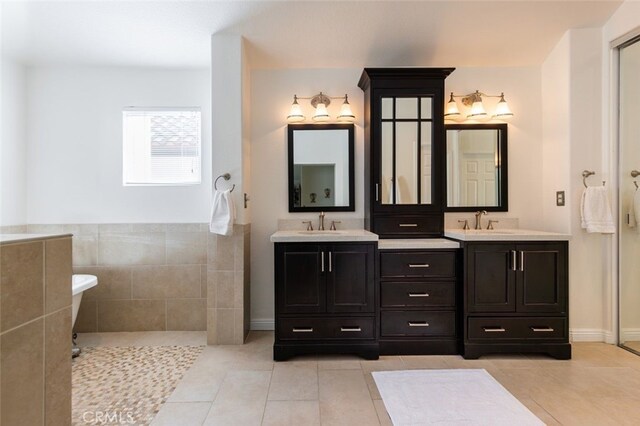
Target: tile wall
x=162, y=277
x=35, y=326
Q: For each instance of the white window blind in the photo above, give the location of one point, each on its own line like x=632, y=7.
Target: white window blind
x=161, y=146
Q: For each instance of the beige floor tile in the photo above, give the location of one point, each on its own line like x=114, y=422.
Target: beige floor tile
x=182, y=413
x=345, y=398
x=623, y=410
x=385, y=363
x=570, y=409
x=241, y=399
x=201, y=383
x=143, y=338
x=346, y=364
x=371, y=385
x=294, y=382
x=540, y=412
x=383, y=416
x=412, y=362
x=292, y=413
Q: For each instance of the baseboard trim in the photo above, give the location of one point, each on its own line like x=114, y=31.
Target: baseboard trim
x=263, y=325
x=632, y=334
x=591, y=335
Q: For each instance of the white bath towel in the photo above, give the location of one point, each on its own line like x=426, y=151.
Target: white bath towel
x=634, y=210
x=596, y=211
x=223, y=213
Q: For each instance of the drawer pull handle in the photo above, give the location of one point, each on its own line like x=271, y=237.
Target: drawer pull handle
x=493, y=329
x=303, y=330
x=418, y=324
x=356, y=329
x=418, y=294
x=418, y=265
x=408, y=225
x=542, y=330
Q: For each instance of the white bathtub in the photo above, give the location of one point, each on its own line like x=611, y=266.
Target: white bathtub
x=80, y=283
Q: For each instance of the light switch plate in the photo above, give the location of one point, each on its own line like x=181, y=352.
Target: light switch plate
x=560, y=198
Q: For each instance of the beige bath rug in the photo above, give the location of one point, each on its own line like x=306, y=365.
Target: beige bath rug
x=114, y=385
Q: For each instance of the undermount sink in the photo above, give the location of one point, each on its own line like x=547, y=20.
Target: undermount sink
x=492, y=231
x=323, y=236
x=321, y=232
x=513, y=234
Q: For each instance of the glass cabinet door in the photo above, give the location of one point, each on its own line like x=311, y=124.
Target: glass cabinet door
x=406, y=150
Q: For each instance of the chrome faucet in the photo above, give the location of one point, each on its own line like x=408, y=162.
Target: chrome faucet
x=478, y=215
x=321, y=222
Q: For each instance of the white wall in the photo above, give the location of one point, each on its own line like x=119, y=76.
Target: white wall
x=229, y=116
x=521, y=87
x=556, y=136
x=74, y=117
x=272, y=93
x=13, y=145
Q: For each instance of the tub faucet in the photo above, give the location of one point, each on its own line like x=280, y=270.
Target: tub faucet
x=321, y=222
x=479, y=218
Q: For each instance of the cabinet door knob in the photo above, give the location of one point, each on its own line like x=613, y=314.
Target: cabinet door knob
x=418, y=294
x=354, y=329
x=418, y=265
x=542, y=330
x=493, y=329
x=303, y=330
x=418, y=324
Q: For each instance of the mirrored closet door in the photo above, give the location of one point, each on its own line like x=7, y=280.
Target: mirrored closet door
x=629, y=196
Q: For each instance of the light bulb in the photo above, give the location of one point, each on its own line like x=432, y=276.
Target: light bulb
x=451, y=111
x=295, y=114
x=502, y=109
x=345, y=111
x=321, y=113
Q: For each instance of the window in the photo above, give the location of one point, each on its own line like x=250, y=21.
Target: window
x=161, y=146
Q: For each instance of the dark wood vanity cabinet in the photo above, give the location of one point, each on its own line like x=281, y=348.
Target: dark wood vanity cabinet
x=418, y=295
x=404, y=151
x=325, y=299
x=516, y=298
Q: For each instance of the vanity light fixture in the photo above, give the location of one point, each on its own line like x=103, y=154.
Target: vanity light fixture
x=295, y=114
x=320, y=102
x=476, y=111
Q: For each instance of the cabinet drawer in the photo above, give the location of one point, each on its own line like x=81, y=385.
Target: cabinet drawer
x=517, y=328
x=408, y=225
x=404, y=293
x=417, y=323
x=325, y=328
x=417, y=264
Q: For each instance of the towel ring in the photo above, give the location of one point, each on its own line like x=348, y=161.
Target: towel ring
x=586, y=174
x=225, y=176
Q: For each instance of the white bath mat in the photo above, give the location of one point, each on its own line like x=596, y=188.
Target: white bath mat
x=449, y=397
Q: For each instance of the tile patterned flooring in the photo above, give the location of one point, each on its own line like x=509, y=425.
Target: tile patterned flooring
x=127, y=383
x=241, y=385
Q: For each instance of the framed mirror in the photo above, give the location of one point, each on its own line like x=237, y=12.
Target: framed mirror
x=321, y=167
x=477, y=167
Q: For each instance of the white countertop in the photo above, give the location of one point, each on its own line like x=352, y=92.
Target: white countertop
x=346, y=235
x=20, y=238
x=504, y=235
x=417, y=243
